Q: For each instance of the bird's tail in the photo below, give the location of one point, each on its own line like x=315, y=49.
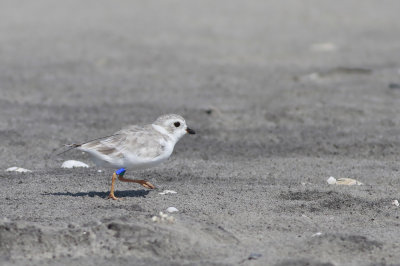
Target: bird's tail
x=68, y=146
x=76, y=145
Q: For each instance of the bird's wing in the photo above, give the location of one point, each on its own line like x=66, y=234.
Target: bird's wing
x=145, y=143
x=141, y=142
x=76, y=145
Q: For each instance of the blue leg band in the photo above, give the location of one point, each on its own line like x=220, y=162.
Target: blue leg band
x=120, y=171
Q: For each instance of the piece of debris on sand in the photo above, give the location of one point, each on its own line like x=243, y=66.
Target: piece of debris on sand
x=18, y=170
x=167, y=192
x=343, y=181
x=163, y=218
x=317, y=234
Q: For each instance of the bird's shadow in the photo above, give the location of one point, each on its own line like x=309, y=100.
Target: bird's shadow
x=124, y=193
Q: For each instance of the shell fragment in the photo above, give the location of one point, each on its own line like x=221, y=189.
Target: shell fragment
x=172, y=209
x=167, y=192
x=73, y=164
x=331, y=180
x=317, y=234
x=18, y=170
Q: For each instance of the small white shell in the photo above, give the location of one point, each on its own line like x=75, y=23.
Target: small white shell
x=73, y=164
x=18, y=170
x=317, y=234
x=331, y=180
x=396, y=203
x=167, y=192
x=172, y=209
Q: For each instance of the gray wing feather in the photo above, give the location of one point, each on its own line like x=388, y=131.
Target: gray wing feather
x=143, y=142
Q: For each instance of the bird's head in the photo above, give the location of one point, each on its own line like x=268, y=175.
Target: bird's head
x=172, y=125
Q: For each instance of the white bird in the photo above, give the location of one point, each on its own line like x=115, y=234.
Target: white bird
x=136, y=147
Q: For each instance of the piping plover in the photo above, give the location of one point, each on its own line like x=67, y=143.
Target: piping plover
x=136, y=147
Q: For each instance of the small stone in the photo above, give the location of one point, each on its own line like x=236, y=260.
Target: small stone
x=172, y=209
x=331, y=180
x=212, y=111
x=254, y=256
x=394, y=86
x=73, y=164
x=99, y=171
x=396, y=203
x=18, y=170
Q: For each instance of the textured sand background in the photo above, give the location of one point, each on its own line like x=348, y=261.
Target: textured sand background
x=282, y=94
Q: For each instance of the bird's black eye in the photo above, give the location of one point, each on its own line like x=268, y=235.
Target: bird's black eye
x=177, y=124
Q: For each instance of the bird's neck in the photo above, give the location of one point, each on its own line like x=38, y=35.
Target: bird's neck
x=164, y=132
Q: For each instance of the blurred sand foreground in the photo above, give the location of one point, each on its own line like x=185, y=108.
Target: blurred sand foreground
x=282, y=94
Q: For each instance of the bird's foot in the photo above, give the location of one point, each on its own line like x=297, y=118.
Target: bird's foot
x=112, y=196
x=146, y=184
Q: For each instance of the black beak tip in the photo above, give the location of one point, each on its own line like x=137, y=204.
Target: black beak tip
x=190, y=131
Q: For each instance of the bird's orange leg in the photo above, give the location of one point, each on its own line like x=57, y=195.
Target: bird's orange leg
x=112, y=196
x=144, y=183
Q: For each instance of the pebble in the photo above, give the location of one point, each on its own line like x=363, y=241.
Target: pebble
x=73, y=164
x=394, y=86
x=396, y=203
x=172, y=209
x=254, y=256
x=18, y=170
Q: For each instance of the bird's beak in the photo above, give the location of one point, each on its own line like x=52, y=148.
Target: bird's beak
x=190, y=131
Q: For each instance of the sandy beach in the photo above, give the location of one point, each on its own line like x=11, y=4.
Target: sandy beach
x=282, y=96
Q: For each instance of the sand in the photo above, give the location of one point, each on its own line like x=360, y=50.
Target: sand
x=282, y=95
